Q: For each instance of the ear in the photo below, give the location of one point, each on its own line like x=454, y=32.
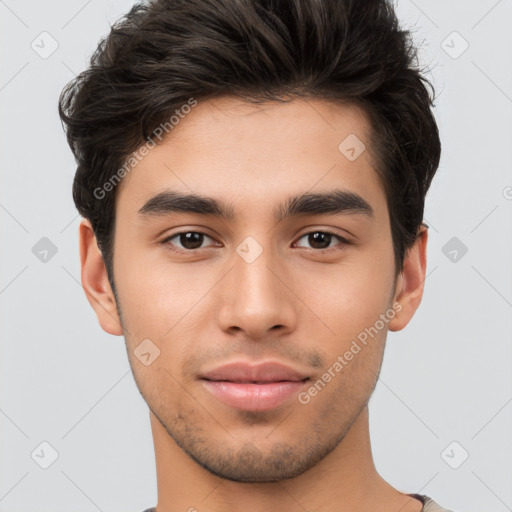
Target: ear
x=95, y=281
x=410, y=282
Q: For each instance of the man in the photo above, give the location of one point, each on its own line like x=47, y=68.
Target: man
x=252, y=177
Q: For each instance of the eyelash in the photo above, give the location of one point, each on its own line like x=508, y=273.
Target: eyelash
x=166, y=242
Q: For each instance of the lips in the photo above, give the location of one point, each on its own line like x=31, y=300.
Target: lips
x=254, y=387
x=263, y=372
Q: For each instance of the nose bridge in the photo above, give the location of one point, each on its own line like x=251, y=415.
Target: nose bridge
x=255, y=298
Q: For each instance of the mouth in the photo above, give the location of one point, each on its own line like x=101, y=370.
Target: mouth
x=260, y=387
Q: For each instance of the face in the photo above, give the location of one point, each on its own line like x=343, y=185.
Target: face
x=249, y=317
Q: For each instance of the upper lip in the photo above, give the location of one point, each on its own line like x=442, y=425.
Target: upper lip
x=259, y=372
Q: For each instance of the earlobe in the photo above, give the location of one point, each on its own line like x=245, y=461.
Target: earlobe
x=95, y=281
x=410, y=282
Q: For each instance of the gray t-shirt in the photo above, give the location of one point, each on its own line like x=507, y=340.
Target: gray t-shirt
x=429, y=505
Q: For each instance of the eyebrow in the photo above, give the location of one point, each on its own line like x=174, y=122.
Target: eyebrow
x=321, y=203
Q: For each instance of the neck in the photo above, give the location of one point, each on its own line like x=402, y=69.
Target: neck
x=345, y=480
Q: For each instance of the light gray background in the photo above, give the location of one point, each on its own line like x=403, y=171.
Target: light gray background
x=445, y=378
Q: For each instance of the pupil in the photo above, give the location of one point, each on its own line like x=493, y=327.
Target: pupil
x=191, y=238
x=316, y=238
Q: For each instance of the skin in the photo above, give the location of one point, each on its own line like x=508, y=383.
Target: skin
x=294, y=304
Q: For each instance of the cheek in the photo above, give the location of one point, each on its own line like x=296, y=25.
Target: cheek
x=348, y=297
x=336, y=397
x=156, y=296
x=162, y=387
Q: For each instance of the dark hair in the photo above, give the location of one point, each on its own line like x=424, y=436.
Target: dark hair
x=165, y=52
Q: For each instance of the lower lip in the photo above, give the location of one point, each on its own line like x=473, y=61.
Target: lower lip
x=253, y=397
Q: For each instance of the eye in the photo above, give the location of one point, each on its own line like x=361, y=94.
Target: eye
x=188, y=240
x=321, y=240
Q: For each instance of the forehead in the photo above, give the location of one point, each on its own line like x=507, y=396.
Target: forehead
x=252, y=155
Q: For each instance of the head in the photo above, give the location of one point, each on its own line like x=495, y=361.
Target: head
x=257, y=105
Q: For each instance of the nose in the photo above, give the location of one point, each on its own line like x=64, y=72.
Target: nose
x=257, y=297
